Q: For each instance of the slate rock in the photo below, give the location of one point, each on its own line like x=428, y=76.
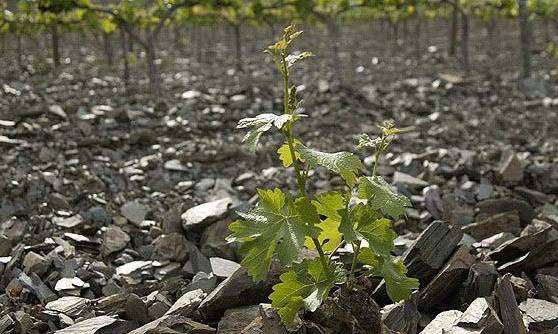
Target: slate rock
x=448, y=280
x=7, y=324
x=480, y=317
x=187, y=303
x=223, y=268
x=35, y=285
x=136, y=309
x=480, y=281
x=97, y=215
x=431, y=250
x=173, y=324
x=36, y=263
x=493, y=207
x=402, y=317
x=235, y=320
x=114, y=240
x=541, y=256
x=5, y=245
x=442, y=323
x=204, y=214
x=539, y=315
x=433, y=202
x=412, y=183
x=135, y=212
x=97, y=325
x=509, y=311
x=68, y=222
x=504, y=222
x=547, y=287
x=71, y=306
x=213, y=243
x=172, y=247
x=516, y=247
x=204, y=281
x=237, y=290
x=511, y=169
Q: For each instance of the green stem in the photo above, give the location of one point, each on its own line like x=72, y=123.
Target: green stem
x=301, y=183
x=356, y=250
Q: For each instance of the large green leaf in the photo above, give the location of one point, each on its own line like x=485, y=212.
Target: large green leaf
x=399, y=286
x=382, y=197
x=260, y=124
x=306, y=285
x=327, y=205
x=285, y=153
x=277, y=226
x=345, y=164
x=394, y=272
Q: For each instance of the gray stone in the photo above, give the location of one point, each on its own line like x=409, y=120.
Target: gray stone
x=68, y=222
x=168, y=323
x=35, y=285
x=114, y=240
x=547, y=288
x=135, y=212
x=412, y=183
x=442, y=323
x=447, y=281
x=36, y=263
x=235, y=320
x=534, y=87
x=204, y=214
x=97, y=215
x=172, y=247
x=175, y=165
x=479, y=318
x=70, y=306
x=187, y=303
x=237, y=290
x=131, y=267
x=91, y=326
x=539, y=315
x=223, y=268
x=493, y=207
x=7, y=324
x=136, y=309
x=402, y=317
x=504, y=222
x=204, y=281
x=213, y=243
x=511, y=169
x=5, y=245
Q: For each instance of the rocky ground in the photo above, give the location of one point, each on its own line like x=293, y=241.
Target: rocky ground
x=114, y=208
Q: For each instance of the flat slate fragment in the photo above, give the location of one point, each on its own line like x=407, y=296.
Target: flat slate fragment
x=201, y=215
x=509, y=311
x=443, y=285
x=539, y=315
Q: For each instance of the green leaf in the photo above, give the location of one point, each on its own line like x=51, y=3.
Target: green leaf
x=382, y=197
x=277, y=226
x=379, y=234
x=394, y=272
x=285, y=153
x=327, y=205
x=345, y=164
x=365, y=223
x=260, y=124
x=367, y=257
x=306, y=285
x=399, y=286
